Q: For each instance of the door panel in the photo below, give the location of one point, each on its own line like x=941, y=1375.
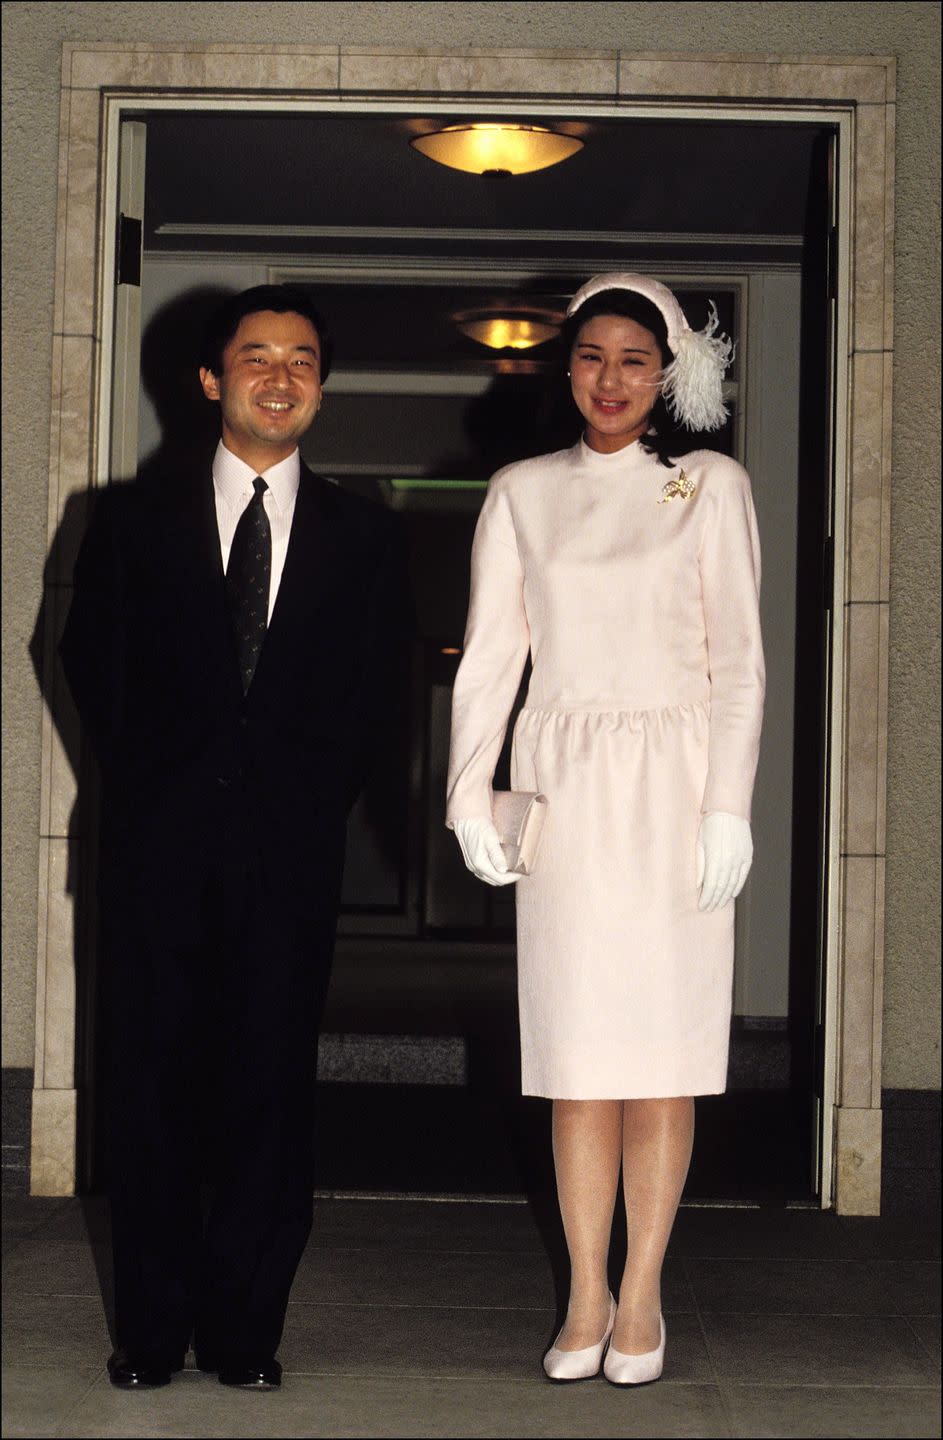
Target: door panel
x=126, y=374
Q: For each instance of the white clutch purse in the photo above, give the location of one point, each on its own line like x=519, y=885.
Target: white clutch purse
x=518, y=817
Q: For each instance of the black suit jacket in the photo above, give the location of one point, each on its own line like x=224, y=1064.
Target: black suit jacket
x=149, y=654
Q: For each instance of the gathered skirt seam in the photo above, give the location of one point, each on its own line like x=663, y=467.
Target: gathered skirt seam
x=613, y=709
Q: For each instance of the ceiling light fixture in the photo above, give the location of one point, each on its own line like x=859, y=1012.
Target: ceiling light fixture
x=508, y=329
x=508, y=332
x=494, y=149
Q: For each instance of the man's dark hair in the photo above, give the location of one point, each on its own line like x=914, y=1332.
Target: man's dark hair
x=668, y=439
x=282, y=299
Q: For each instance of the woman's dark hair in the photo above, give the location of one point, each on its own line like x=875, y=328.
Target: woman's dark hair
x=666, y=438
x=282, y=299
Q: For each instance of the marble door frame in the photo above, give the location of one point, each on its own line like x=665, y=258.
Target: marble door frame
x=859, y=92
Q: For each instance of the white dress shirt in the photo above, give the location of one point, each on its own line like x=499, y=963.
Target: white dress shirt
x=232, y=484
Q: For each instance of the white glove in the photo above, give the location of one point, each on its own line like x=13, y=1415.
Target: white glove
x=724, y=857
x=481, y=849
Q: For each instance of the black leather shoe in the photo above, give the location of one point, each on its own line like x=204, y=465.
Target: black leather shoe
x=134, y=1372
x=264, y=1376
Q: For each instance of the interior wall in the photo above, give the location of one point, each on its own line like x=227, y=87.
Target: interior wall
x=33, y=35
x=761, y=976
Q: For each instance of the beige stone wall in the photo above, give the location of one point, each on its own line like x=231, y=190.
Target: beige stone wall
x=32, y=37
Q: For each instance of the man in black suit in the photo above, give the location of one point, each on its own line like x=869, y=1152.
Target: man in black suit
x=232, y=644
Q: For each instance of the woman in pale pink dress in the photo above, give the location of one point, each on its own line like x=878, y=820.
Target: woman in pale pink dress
x=629, y=568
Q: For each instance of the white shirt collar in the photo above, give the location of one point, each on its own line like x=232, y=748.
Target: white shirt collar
x=233, y=478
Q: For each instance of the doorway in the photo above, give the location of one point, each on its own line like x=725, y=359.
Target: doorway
x=101, y=85
x=399, y=252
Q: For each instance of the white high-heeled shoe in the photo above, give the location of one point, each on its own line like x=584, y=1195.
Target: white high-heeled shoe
x=636, y=1369
x=579, y=1364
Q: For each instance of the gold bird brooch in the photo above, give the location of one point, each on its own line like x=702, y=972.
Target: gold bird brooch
x=681, y=488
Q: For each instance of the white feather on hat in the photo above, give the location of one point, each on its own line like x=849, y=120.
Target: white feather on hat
x=693, y=383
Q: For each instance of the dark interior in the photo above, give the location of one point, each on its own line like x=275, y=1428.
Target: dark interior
x=402, y=245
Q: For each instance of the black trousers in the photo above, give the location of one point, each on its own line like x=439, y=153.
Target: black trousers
x=217, y=967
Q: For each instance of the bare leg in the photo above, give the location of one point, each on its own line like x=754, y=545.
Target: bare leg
x=587, y=1153
x=657, y=1139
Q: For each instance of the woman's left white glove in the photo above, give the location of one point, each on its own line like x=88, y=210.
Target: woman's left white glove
x=724, y=857
x=481, y=850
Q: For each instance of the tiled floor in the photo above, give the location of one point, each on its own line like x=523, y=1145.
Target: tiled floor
x=424, y=1318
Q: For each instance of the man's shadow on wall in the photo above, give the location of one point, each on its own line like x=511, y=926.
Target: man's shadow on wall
x=189, y=430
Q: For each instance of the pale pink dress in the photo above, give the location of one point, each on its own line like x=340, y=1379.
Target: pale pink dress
x=641, y=612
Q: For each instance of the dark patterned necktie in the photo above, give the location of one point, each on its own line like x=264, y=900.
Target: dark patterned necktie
x=248, y=576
